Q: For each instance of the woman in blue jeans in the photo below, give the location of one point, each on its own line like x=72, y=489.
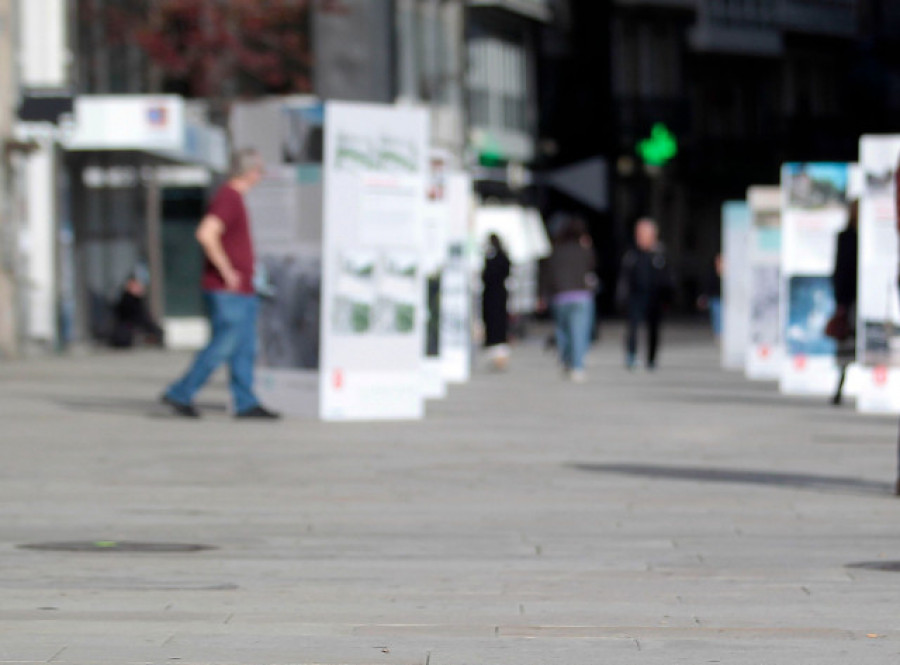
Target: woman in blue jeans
x=569, y=285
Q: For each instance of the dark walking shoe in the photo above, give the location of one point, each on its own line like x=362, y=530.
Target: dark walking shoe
x=258, y=413
x=179, y=409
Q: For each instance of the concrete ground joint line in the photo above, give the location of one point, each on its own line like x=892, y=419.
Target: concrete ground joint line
x=57, y=654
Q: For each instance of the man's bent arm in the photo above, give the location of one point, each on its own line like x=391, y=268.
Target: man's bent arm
x=209, y=235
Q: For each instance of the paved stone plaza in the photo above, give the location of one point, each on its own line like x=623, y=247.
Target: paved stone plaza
x=686, y=516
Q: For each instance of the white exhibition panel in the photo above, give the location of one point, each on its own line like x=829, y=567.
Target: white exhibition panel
x=373, y=287
x=43, y=44
x=735, y=278
x=456, y=301
x=38, y=242
x=814, y=212
x=878, y=300
x=765, y=350
x=186, y=333
x=435, y=229
x=286, y=217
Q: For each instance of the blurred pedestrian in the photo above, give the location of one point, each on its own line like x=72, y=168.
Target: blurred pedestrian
x=841, y=326
x=569, y=287
x=495, y=297
x=645, y=287
x=711, y=298
x=228, y=293
x=131, y=317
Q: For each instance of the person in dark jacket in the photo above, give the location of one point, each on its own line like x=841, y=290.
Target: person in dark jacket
x=645, y=287
x=494, y=302
x=843, y=281
x=569, y=287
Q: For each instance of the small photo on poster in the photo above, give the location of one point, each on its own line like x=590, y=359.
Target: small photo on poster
x=437, y=179
x=810, y=306
x=397, y=155
x=394, y=316
x=879, y=181
x=881, y=344
x=878, y=158
x=355, y=153
x=302, y=134
x=290, y=294
x=816, y=186
x=765, y=304
x=355, y=293
x=398, y=297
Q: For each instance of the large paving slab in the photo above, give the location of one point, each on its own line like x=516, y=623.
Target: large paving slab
x=684, y=516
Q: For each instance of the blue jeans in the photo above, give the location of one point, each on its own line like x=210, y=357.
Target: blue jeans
x=715, y=315
x=574, y=321
x=232, y=317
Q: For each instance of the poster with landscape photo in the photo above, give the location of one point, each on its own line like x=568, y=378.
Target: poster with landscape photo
x=814, y=211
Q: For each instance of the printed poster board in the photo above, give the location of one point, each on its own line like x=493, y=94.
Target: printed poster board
x=878, y=300
x=286, y=219
x=374, y=275
x=436, y=223
x=814, y=212
x=765, y=351
x=456, y=299
x=735, y=279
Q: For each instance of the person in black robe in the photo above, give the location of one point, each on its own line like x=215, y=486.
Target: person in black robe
x=494, y=302
x=844, y=282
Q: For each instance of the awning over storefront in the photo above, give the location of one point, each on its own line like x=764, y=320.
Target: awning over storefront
x=158, y=125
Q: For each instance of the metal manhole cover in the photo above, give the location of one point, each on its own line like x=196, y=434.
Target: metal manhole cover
x=115, y=546
x=884, y=566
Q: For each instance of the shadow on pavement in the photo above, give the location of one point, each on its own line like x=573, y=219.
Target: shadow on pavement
x=744, y=399
x=742, y=477
x=124, y=405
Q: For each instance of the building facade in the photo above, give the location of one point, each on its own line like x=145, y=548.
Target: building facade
x=744, y=86
x=8, y=236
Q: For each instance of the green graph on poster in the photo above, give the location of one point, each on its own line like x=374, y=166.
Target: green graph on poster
x=660, y=148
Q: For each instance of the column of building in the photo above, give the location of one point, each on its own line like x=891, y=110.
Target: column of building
x=8, y=241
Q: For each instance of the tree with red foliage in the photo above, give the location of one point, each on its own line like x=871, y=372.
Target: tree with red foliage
x=216, y=49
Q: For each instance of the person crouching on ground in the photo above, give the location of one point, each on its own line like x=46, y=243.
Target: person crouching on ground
x=131, y=317
x=228, y=293
x=569, y=287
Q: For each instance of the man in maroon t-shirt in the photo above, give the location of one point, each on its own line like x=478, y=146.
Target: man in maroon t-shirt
x=224, y=234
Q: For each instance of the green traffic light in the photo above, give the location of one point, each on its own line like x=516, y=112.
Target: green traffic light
x=660, y=148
